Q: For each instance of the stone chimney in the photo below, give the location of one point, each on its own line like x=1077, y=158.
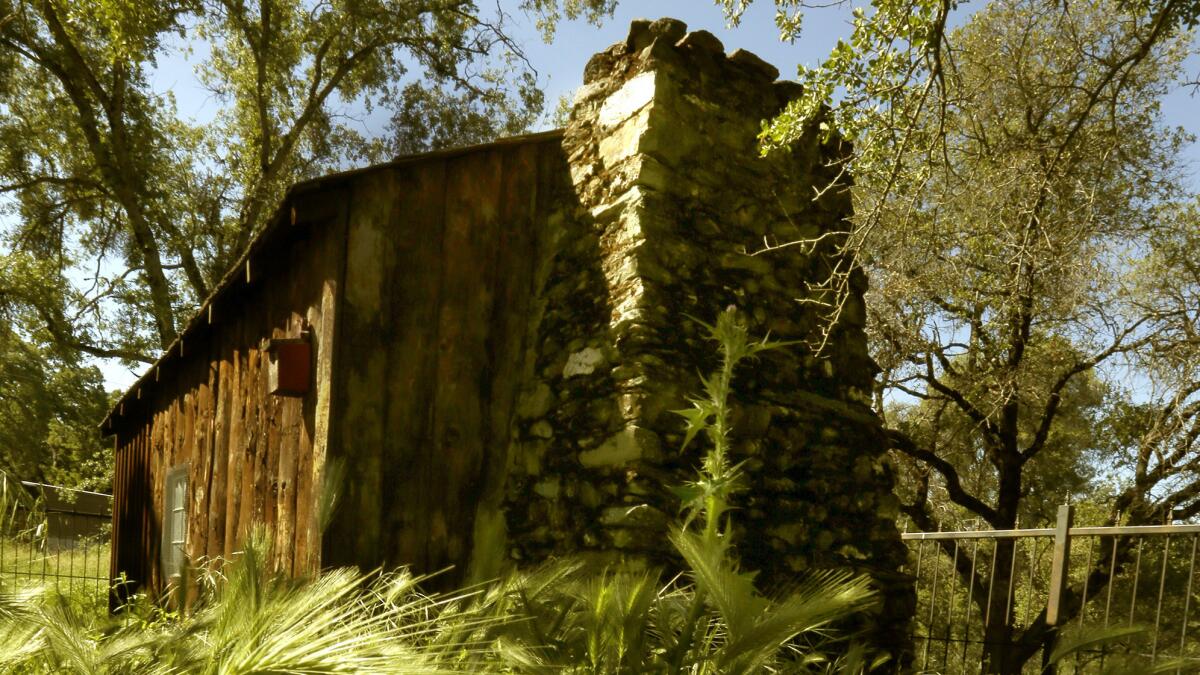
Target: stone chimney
x=671, y=196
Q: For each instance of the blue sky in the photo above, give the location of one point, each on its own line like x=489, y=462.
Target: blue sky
x=560, y=65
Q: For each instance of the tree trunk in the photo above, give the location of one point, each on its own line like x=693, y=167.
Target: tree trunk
x=998, y=638
x=998, y=611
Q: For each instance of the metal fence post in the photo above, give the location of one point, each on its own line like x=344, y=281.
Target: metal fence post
x=1060, y=567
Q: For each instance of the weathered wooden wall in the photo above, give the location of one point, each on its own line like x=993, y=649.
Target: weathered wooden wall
x=435, y=326
x=424, y=271
x=254, y=458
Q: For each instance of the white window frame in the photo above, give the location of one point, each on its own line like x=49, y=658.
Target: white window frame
x=174, y=522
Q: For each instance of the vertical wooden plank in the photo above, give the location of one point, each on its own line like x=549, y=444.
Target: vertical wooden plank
x=217, y=504
x=200, y=453
x=150, y=531
x=303, y=494
x=125, y=546
x=142, y=477
x=285, y=517
x=304, y=475
x=252, y=500
x=249, y=437
x=266, y=464
x=472, y=211
x=132, y=536
x=411, y=338
x=185, y=430
x=267, y=485
x=117, y=548
x=508, y=317
x=304, y=537
x=236, y=443
x=354, y=538
x=326, y=345
x=288, y=440
x=134, y=515
x=161, y=458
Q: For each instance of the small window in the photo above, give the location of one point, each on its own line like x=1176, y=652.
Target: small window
x=174, y=539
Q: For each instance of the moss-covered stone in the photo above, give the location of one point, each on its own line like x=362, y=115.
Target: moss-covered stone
x=671, y=197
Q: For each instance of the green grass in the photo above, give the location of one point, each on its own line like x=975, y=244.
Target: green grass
x=80, y=571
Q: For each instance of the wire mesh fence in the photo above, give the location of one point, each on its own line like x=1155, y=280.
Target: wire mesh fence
x=54, y=537
x=1003, y=601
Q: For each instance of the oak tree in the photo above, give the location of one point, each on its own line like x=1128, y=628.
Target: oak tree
x=1016, y=199
x=132, y=212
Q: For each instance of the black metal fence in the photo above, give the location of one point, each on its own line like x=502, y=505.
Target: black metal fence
x=56, y=537
x=1003, y=601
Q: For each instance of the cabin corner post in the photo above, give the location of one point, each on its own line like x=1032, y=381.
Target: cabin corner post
x=117, y=595
x=672, y=199
x=323, y=317
x=132, y=527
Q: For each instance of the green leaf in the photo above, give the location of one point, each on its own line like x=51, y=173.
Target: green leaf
x=697, y=421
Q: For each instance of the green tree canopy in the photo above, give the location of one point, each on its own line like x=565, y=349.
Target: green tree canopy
x=102, y=178
x=48, y=412
x=1018, y=209
x=118, y=215
x=1019, y=212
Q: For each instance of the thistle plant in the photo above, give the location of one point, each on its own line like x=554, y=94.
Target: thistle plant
x=566, y=618
x=708, y=496
x=751, y=631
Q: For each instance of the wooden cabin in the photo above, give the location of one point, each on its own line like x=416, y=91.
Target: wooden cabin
x=360, y=318
x=491, y=340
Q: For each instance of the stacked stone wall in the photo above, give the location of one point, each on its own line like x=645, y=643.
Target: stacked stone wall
x=667, y=196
